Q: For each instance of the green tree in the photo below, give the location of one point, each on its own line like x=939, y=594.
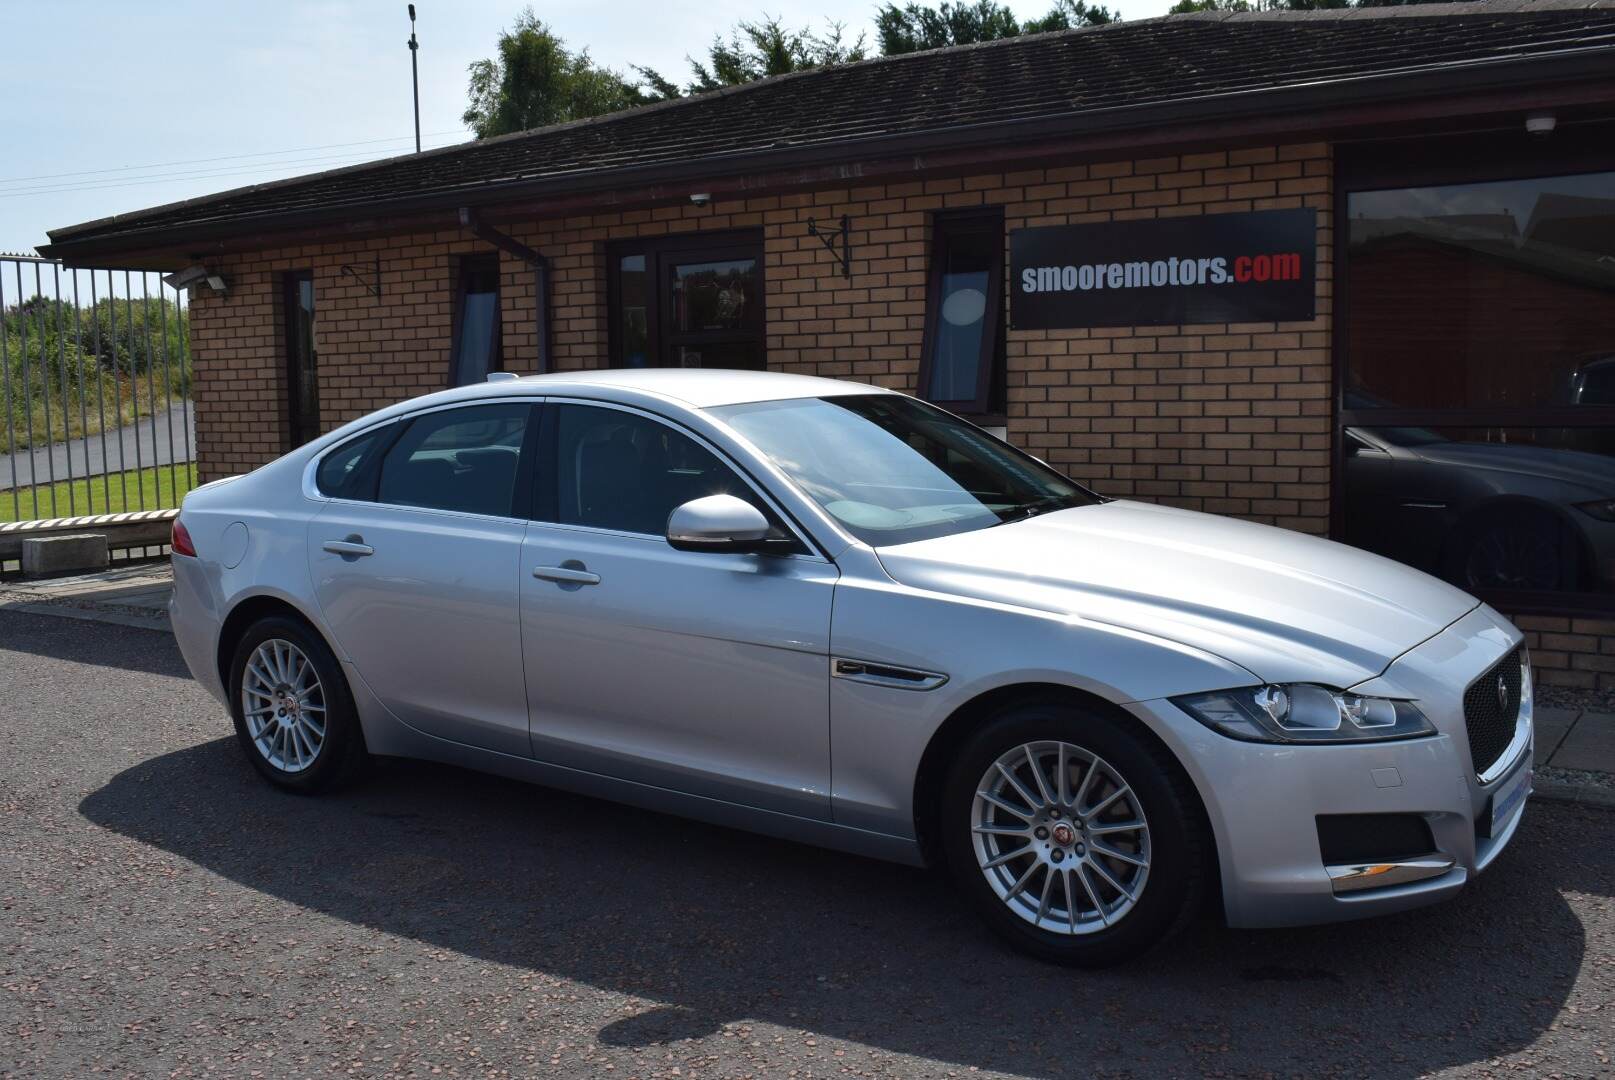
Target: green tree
x=755, y=51
x=535, y=80
x=913, y=26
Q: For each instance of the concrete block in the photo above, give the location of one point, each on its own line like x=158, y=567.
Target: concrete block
x=46, y=556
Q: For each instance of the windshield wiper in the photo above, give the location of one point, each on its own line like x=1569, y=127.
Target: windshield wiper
x=1025, y=510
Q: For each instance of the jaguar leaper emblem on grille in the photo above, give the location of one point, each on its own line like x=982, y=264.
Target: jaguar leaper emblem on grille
x=1502, y=693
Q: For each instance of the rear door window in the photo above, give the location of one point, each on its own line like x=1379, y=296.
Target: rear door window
x=463, y=460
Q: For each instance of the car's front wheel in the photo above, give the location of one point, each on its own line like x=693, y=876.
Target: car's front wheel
x=294, y=714
x=1076, y=837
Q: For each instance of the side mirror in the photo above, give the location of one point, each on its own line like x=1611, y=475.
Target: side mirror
x=718, y=523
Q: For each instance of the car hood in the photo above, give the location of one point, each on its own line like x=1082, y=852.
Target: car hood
x=1286, y=606
x=1594, y=472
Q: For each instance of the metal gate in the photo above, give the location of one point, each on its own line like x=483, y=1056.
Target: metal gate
x=95, y=384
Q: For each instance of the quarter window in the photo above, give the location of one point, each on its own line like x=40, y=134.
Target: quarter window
x=341, y=472
x=458, y=459
x=622, y=471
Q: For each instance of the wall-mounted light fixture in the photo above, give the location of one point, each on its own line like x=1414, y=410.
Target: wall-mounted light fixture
x=194, y=275
x=701, y=198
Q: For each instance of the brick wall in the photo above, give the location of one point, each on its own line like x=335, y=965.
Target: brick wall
x=1570, y=651
x=1232, y=419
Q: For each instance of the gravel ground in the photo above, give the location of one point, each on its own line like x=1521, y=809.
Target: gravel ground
x=1575, y=697
x=164, y=913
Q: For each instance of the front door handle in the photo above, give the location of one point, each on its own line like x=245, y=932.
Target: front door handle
x=574, y=574
x=351, y=547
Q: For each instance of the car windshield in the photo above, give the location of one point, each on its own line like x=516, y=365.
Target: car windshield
x=892, y=469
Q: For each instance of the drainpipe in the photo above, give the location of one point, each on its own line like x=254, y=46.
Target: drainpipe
x=541, y=278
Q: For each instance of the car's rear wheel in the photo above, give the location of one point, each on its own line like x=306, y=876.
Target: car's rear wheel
x=1076, y=837
x=293, y=711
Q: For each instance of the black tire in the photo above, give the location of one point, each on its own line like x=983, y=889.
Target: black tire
x=1521, y=548
x=1179, y=849
x=342, y=756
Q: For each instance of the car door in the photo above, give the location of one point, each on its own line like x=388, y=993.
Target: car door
x=702, y=672
x=415, y=571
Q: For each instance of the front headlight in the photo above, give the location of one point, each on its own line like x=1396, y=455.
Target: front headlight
x=1602, y=509
x=1303, y=713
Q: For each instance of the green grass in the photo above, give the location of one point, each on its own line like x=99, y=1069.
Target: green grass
x=157, y=488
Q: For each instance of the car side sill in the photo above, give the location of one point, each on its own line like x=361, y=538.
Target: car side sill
x=404, y=741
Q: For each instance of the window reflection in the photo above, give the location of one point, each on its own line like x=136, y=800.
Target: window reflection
x=713, y=295
x=476, y=345
x=1529, y=509
x=1490, y=294
x=634, y=299
x=963, y=362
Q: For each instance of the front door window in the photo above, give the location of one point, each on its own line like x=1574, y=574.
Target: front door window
x=688, y=302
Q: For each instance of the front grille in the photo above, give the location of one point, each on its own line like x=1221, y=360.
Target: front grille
x=1489, y=714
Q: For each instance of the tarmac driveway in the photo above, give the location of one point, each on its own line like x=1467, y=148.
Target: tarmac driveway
x=163, y=912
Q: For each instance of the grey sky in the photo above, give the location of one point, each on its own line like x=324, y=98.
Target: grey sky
x=107, y=106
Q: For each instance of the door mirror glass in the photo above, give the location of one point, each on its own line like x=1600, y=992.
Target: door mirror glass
x=717, y=523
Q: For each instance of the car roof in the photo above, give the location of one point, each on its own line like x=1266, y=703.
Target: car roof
x=700, y=388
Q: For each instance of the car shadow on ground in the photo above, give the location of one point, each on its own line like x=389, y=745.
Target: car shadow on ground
x=719, y=925
x=150, y=652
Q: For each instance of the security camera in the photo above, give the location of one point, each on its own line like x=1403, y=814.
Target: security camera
x=701, y=198
x=1541, y=123
x=192, y=276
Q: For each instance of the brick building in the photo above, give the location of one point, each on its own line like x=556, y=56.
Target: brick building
x=1441, y=390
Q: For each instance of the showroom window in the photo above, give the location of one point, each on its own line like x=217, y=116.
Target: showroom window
x=1477, y=375
x=962, y=357
x=476, y=319
x=688, y=301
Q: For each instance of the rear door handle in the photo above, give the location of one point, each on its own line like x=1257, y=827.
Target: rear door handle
x=567, y=575
x=352, y=546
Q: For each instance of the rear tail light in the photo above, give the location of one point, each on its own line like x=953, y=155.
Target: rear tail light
x=180, y=542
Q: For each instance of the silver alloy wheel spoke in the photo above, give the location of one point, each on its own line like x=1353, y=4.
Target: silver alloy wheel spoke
x=1106, y=802
x=1022, y=825
x=283, y=704
x=1025, y=796
x=1093, y=896
x=1037, y=774
x=1104, y=827
x=1110, y=879
x=1006, y=806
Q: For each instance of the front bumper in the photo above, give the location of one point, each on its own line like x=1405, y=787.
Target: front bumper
x=1264, y=800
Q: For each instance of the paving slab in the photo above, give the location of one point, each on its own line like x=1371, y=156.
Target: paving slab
x=135, y=595
x=1589, y=746
x=1552, y=725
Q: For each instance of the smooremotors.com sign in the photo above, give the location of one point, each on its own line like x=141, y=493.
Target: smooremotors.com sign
x=1219, y=268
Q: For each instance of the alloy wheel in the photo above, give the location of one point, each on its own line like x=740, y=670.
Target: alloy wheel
x=1061, y=837
x=284, y=705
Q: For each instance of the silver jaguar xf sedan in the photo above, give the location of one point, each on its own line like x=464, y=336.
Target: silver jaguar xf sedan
x=837, y=615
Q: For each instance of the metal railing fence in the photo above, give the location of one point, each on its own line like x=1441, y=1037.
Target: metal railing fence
x=95, y=384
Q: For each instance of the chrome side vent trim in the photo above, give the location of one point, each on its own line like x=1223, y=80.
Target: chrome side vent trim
x=886, y=675
x=1359, y=876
